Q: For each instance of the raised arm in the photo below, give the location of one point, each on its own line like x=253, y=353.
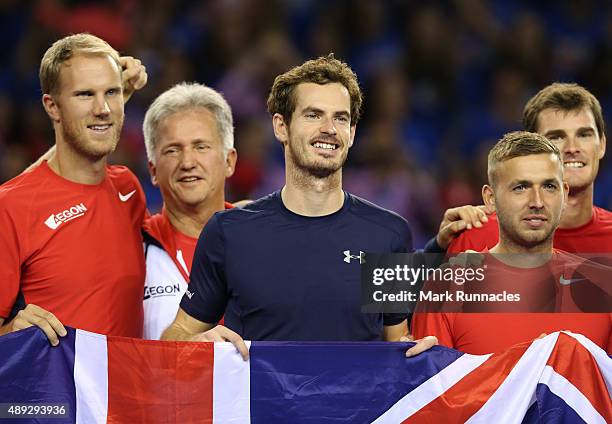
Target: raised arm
x=133, y=74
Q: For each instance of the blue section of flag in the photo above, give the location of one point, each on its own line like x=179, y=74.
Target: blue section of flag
x=553, y=409
x=531, y=416
x=34, y=372
x=303, y=382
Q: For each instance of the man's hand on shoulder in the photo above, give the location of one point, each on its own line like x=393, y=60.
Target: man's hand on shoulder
x=133, y=74
x=35, y=315
x=221, y=333
x=458, y=219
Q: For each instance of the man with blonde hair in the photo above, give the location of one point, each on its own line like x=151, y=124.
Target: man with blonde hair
x=70, y=228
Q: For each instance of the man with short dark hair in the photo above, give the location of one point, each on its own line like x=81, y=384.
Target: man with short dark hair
x=571, y=117
x=286, y=267
x=527, y=190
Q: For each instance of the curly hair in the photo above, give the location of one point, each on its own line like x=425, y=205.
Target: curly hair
x=324, y=70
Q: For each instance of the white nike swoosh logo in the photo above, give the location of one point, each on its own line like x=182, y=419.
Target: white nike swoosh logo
x=126, y=197
x=565, y=282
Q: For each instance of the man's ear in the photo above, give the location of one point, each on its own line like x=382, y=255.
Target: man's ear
x=352, y=135
x=230, y=163
x=488, y=197
x=51, y=107
x=281, y=128
x=153, y=172
x=602, y=146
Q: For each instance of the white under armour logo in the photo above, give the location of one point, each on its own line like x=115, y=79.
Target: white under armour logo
x=348, y=257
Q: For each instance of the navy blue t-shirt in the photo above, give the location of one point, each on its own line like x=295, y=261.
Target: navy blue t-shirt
x=277, y=275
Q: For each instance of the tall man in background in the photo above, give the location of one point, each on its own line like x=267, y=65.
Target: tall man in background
x=70, y=228
x=189, y=138
x=571, y=117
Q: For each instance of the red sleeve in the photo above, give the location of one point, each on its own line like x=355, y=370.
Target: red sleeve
x=10, y=262
x=141, y=211
x=433, y=324
x=477, y=239
x=459, y=244
x=145, y=212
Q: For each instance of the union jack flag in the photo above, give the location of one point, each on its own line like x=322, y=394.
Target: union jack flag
x=563, y=377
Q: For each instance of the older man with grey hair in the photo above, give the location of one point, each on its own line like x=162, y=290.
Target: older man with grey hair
x=189, y=138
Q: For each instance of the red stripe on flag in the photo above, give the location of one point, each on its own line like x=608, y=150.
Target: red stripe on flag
x=574, y=362
x=465, y=398
x=170, y=383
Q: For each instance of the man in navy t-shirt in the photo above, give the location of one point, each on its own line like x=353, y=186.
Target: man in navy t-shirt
x=280, y=275
x=286, y=267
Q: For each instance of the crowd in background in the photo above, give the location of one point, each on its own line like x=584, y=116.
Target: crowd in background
x=443, y=80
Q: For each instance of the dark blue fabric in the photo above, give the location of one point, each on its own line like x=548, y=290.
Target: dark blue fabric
x=553, y=409
x=335, y=382
x=48, y=378
x=277, y=275
x=531, y=416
